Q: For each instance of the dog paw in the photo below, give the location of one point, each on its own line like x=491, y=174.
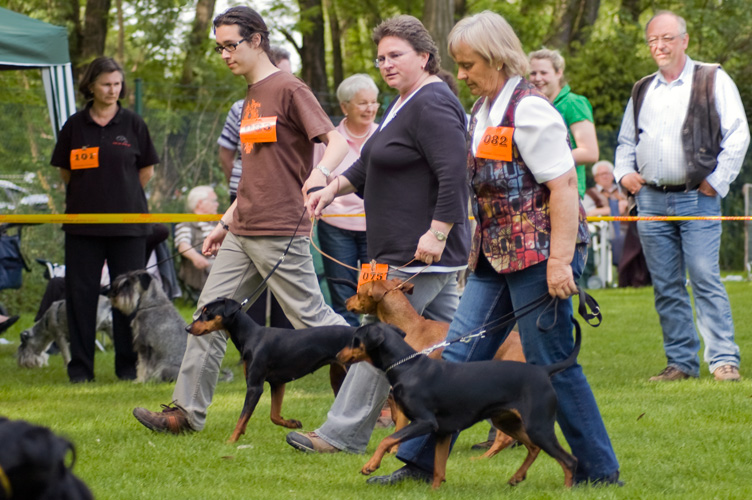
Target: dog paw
x=292, y=424
x=516, y=479
x=369, y=468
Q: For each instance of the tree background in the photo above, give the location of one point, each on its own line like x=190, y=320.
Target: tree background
x=165, y=48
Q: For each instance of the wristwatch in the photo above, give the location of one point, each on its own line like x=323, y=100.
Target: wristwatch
x=323, y=170
x=439, y=235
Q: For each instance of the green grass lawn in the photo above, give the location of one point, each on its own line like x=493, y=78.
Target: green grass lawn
x=683, y=440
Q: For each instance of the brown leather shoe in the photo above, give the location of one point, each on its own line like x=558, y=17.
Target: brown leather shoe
x=309, y=442
x=171, y=419
x=670, y=373
x=728, y=373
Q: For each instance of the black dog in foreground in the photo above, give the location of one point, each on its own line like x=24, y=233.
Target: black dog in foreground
x=33, y=464
x=274, y=355
x=445, y=398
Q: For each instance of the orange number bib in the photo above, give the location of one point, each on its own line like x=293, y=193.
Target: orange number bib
x=261, y=129
x=372, y=272
x=496, y=144
x=84, y=158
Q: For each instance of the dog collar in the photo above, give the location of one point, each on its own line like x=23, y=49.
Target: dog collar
x=426, y=351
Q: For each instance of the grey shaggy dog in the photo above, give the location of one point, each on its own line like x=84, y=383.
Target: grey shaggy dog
x=53, y=327
x=159, y=334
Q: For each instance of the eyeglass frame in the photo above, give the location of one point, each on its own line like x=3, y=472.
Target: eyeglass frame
x=221, y=48
x=666, y=39
x=394, y=57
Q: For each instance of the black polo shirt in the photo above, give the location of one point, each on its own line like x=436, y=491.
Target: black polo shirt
x=125, y=147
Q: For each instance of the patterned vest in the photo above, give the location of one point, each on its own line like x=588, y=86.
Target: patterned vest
x=511, y=209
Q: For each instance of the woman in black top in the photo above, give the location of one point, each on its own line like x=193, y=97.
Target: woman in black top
x=106, y=157
x=412, y=177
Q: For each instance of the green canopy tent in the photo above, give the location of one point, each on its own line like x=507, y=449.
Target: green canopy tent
x=27, y=43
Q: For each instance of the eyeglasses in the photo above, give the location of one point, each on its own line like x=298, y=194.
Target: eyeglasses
x=666, y=39
x=393, y=57
x=230, y=47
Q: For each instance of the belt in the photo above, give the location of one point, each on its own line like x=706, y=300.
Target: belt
x=670, y=189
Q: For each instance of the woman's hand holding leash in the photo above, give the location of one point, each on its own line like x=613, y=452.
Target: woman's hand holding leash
x=432, y=244
x=561, y=282
x=429, y=249
x=317, y=199
x=316, y=180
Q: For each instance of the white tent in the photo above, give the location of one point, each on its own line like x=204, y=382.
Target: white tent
x=27, y=43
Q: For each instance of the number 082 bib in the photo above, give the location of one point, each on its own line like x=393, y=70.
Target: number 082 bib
x=496, y=144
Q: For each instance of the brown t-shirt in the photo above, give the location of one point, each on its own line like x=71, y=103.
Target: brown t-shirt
x=270, y=202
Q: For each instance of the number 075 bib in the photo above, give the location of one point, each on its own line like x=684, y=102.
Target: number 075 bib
x=496, y=144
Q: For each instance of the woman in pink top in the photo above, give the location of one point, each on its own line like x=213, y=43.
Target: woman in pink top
x=344, y=238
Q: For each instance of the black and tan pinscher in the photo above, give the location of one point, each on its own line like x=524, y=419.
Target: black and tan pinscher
x=274, y=355
x=444, y=398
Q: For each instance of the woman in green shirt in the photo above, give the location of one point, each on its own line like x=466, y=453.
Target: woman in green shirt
x=547, y=74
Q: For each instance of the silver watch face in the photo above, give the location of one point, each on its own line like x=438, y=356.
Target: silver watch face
x=439, y=235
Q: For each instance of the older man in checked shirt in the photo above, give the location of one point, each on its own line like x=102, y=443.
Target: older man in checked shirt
x=688, y=146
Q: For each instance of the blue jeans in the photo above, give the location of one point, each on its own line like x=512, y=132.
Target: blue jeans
x=673, y=248
x=350, y=248
x=490, y=295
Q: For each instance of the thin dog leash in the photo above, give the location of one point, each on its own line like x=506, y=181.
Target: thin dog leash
x=260, y=286
x=324, y=254
x=171, y=257
x=586, y=302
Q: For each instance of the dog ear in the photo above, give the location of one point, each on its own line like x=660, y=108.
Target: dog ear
x=230, y=308
x=378, y=290
x=373, y=335
x=145, y=280
x=407, y=288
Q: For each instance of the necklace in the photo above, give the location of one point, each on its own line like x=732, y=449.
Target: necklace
x=347, y=129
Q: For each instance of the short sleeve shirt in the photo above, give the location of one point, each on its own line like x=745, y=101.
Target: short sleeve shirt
x=229, y=139
x=574, y=108
x=270, y=201
x=125, y=147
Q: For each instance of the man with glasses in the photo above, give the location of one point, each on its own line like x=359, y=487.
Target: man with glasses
x=281, y=120
x=682, y=142
x=230, y=159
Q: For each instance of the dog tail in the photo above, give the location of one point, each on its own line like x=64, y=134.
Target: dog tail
x=564, y=364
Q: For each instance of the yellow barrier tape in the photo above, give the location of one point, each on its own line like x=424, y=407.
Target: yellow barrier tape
x=667, y=218
x=174, y=218
x=105, y=218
